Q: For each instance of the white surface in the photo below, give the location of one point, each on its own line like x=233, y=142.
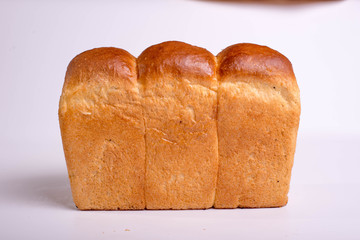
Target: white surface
x=45, y=211
x=39, y=38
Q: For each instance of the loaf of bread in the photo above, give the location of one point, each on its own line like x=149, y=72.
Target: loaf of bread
x=178, y=128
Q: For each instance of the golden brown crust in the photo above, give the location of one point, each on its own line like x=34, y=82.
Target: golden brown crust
x=264, y=63
x=181, y=136
x=258, y=118
x=179, y=60
x=117, y=64
x=102, y=129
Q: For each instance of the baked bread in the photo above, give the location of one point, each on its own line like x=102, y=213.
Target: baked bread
x=102, y=127
x=258, y=118
x=178, y=85
x=179, y=128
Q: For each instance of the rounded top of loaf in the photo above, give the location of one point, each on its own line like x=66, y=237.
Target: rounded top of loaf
x=177, y=59
x=101, y=64
x=246, y=59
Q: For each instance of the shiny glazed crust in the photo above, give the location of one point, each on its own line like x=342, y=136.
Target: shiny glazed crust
x=179, y=128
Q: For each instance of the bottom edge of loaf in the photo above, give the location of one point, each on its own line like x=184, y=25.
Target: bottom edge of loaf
x=176, y=209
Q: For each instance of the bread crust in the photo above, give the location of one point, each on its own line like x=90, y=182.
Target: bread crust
x=258, y=118
x=179, y=90
x=180, y=60
x=114, y=64
x=102, y=128
x=262, y=62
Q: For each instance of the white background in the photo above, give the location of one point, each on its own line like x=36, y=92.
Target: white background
x=39, y=38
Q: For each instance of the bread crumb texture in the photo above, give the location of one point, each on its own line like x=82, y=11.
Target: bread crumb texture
x=179, y=128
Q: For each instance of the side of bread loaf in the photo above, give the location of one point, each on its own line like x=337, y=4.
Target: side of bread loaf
x=102, y=128
x=179, y=91
x=179, y=128
x=259, y=109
